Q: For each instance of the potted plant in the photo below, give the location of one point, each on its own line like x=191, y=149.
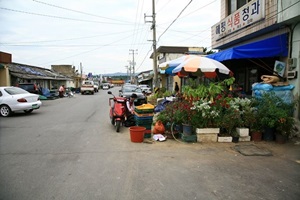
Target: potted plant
x=255, y=129
x=207, y=116
x=244, y=106
x=272, y=110
x=230, y=121
x=284, y=128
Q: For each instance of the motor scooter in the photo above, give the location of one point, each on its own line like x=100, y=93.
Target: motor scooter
x=117, y=111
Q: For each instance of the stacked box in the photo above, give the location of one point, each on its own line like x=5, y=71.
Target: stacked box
x=244, y=134
x=143, y=116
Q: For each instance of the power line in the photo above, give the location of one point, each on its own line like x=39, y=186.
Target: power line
x=58, y=17
x=48, y=4
x=174, y=20
x=78, y=38
x=84, y=52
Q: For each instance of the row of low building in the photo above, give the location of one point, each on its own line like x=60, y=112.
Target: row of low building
x=11, y=74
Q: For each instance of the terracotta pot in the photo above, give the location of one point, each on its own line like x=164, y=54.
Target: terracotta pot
x=256, y=136
x=280, y=139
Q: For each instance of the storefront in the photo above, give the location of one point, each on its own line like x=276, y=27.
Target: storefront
x=250, y=61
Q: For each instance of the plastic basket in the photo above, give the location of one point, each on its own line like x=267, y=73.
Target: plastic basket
x=147, y=106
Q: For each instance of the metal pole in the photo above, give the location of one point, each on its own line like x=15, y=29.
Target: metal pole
x=80, y=74
x=155, y=78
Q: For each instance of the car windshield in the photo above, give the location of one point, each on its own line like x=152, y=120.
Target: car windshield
x=132, y=89
x=15, y=90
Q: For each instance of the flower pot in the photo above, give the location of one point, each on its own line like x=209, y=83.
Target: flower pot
x=187, y=129
x=280, y=139
x=224, y=139
x=178, y=128
x=256, y=136
x=235, y=139
x=207, y=130
x=269, y=134
x=137, y=133
x=243, y=132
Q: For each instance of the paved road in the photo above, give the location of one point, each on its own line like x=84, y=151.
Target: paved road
x=69, y=150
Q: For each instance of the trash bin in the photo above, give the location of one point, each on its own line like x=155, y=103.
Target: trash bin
x=137, y=133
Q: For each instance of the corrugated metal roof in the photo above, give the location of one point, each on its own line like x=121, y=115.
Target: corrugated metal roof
x=32, y=72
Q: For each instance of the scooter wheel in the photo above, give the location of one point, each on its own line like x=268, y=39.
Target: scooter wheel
x=118, y=124
x=113, y=121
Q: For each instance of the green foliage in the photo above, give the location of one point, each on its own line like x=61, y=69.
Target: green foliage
x=210, y=91
x=178, y=112
x=272, y=109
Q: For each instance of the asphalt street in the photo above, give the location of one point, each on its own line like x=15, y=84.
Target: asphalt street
x=68, y=149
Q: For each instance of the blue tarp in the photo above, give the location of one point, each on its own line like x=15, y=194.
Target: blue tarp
x=271, y=47
x=284, y=92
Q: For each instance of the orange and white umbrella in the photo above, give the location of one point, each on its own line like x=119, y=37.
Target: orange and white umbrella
x=207, y=66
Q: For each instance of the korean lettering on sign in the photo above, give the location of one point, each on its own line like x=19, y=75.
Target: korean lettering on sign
x=246, y=15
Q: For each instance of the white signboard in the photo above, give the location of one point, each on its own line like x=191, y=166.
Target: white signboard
x=279, y=68
x=248, y=14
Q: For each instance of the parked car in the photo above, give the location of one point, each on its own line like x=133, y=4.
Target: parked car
x=13, y=99
x=30, y=87
x=96, y=87
x=127, y=90
x=146, y=88
x=105, y=86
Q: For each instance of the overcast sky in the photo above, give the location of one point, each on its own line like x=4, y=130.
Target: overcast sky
x=100, y=33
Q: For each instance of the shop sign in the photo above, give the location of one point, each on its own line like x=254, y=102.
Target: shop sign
x=250, y=13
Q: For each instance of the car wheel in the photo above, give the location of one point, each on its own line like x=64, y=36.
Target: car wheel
x=5, y=111
x=28, y=111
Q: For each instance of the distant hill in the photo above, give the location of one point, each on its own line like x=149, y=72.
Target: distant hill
x=115, y=74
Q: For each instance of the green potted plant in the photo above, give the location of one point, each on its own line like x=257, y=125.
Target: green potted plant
x=284, y=128
x=271, y=109
x=230, y=121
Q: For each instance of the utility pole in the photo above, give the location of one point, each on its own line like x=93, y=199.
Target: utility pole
x=133, y=63
x=130, y=75
x=153, y=27
x=80, y=74
x=127, y=72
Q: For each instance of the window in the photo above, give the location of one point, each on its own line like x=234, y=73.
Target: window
x=234, y=5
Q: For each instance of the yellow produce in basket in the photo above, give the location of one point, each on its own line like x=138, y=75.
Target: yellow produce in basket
x=147, y=106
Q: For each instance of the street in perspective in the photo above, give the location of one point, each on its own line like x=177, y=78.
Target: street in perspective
x=68, y=149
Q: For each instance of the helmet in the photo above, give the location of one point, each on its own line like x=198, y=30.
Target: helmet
x=133, y=96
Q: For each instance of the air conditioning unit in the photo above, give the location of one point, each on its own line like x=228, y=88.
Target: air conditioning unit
x=292, y=62
x=292, y=74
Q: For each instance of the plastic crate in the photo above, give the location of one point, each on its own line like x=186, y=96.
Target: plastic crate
x=143, y=120
x=145, y=111
x=189, y=138
x=144, y=114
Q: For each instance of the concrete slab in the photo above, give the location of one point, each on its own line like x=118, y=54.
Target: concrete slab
x=252, y=150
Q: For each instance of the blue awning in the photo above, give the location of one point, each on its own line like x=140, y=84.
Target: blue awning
x=271, y=47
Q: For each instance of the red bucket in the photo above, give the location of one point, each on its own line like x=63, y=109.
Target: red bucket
x=137, y=133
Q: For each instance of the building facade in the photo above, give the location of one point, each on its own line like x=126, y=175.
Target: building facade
x=254, y=37
x=11, y=74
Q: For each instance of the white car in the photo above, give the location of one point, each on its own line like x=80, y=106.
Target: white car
x=105, y=87
x=145, y=88
x=14, y=99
